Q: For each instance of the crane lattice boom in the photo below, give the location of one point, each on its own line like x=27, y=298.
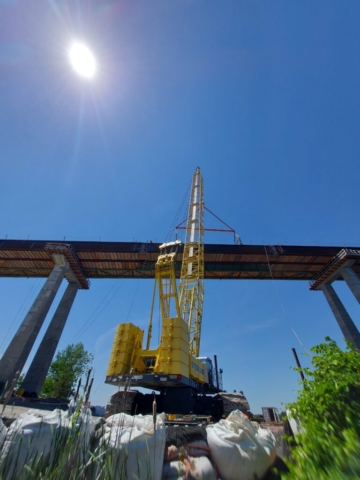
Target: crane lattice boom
x=191, y=284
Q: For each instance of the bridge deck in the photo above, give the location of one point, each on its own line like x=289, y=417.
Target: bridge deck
x=29, y=258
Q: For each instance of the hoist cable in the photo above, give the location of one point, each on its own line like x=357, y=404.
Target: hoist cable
x=132, y=302
x=177, y=215
x=282, y=306
x=87, y=324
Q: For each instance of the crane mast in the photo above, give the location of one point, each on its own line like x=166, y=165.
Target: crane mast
x=191, y=286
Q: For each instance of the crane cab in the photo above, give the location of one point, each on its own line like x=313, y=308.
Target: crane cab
x=209, y=371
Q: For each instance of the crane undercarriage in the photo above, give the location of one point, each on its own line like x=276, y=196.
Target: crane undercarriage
x=179, y=400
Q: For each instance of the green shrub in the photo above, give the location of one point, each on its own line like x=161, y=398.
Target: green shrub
x=328, y=408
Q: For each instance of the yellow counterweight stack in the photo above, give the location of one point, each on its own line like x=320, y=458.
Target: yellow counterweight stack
x=174, y=347
x=128, y=338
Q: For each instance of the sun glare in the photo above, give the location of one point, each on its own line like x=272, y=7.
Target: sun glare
x=82, y=60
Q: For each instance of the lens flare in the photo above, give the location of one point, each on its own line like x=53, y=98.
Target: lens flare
x=82, y=60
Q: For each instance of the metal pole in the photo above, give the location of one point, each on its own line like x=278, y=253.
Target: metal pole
x=217, y=372
x=87, y=394
x=298, y=364
x=87, y=379
x=7, y=395
x=150, y=321
x=78, y=389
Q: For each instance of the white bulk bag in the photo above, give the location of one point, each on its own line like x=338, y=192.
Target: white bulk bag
x=240, y=448
x=295, y=424
x=3, y=431
x=137, y=450
x=32, y=436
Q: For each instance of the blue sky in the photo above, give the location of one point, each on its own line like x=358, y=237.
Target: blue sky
x=263, y=96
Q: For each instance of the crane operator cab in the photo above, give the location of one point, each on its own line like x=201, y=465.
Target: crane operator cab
x=209, y=374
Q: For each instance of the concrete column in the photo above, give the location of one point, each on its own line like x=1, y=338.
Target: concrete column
x=352, y=280
x=39, y=367
x=348, y=328
x=19, y=349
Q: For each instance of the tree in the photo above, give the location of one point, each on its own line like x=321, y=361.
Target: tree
x=20, y=380
x=328, y=408
x=68, y=366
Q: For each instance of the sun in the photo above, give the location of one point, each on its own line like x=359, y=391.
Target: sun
x=82, y=60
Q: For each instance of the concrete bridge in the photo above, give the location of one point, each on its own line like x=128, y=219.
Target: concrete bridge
x=78, y=262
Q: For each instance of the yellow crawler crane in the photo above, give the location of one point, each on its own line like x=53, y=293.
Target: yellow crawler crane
x=172, y=368
x=169, y=364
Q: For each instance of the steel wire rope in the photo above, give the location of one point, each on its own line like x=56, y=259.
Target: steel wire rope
x=132, y=302
x=282, y=306
x=159, y=324
x=88, y=323
x=177, y=215
x=96, y=309
x=171, y=230
x=15, y=323
x=136, y=289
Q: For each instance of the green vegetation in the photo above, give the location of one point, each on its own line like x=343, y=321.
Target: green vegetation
x=68, y=366
x=20, y=380
x=328, y=408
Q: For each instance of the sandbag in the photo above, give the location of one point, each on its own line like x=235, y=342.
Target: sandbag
x=190, y=468
x=35, y=435
x=3, y=431
x=240, y=448
x=136, y=448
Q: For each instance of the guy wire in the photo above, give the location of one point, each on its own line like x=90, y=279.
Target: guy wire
x=282, y=306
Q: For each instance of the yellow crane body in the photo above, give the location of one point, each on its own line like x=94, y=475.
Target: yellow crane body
x=170, y=363
x=175, y=362
x=186, y=382
x=171, y=358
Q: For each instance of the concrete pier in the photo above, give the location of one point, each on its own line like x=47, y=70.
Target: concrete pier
x=352, y=280
x=39, y=367
x=19, y=349
x=347, y=326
